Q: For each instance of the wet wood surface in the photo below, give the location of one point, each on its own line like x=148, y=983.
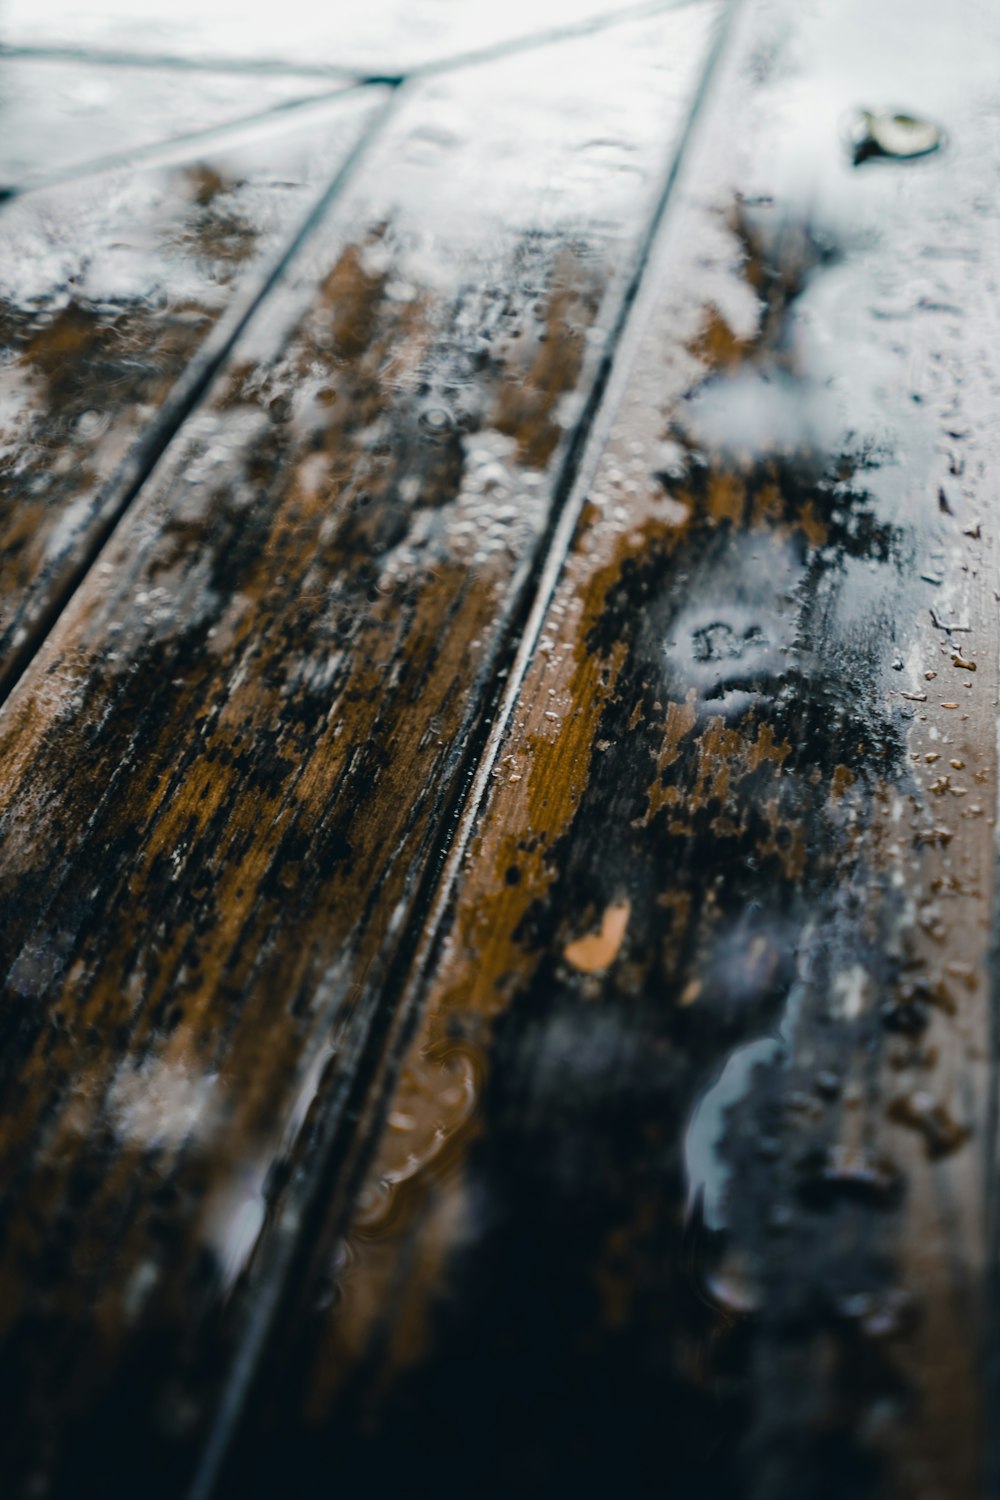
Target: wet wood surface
x=497, y=827
x=231, y=766
x=686, y=1151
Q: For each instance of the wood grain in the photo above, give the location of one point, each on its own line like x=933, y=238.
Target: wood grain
x=229, y=771
x=679, y=1181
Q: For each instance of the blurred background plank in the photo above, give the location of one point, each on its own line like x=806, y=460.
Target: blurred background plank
x=59, y=116
x=118, y=296
x=382, y=37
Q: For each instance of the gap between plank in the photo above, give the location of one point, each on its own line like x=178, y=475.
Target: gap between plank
x=114, y=57
x=176, y=147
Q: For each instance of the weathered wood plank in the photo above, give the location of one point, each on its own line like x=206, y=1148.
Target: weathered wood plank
x=117, y=295
x=684, y=1180
x=56, y=115
x=227, y=775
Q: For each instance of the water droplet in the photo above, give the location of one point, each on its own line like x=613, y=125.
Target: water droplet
x=733, y=1290
x=436, y=420
x=886, y=134
x=91, y=424
x=879, y=1315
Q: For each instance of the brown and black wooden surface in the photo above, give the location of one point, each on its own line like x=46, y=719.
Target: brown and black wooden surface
x=498, y=756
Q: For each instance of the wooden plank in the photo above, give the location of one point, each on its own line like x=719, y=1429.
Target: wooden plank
x=56, y=115
x=118, y=295
x=228, y=773
x=384, y=37
x=684, y=1179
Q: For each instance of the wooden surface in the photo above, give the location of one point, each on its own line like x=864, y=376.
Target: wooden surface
x=499, y=772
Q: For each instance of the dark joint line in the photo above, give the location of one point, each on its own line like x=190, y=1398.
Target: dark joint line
x=120, y=58
x=531, y=41
x=177, y=148
x=589, y=26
